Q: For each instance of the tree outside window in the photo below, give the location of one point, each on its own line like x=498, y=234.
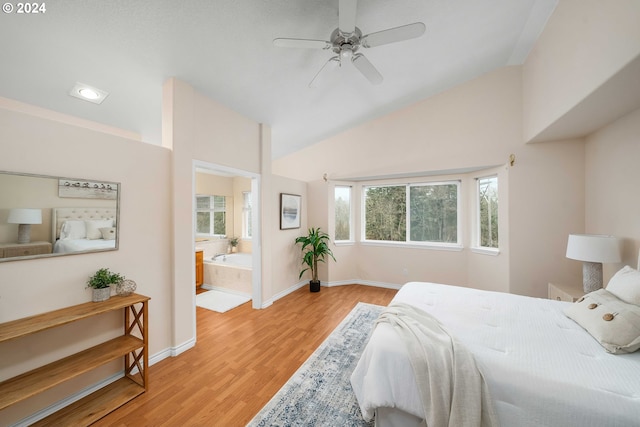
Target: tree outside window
x=342, y=213
x=488, y=212
x=432, y=215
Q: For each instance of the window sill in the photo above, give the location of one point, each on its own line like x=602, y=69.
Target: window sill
x=486, y=251
x=455, y=248
x=344, y=242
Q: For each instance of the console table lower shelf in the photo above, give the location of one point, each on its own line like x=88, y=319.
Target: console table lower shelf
x=131, y=346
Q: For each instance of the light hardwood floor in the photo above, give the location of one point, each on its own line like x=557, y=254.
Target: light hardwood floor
x=241, y=359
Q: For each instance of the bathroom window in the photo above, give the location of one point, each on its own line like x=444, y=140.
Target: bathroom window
x=211, y=215
x=246, y=215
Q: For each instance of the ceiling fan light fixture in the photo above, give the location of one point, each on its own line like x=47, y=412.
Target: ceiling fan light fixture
x=346, y=51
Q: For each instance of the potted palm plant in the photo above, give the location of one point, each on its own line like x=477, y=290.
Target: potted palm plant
x=101, y=282
x=315, y=249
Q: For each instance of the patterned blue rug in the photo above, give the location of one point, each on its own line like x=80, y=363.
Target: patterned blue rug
x=319, y=393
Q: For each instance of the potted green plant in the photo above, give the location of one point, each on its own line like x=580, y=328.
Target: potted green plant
x=315, y=248
x=234, y=243
x=101, y=282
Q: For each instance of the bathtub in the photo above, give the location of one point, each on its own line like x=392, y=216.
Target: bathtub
x=230, y=271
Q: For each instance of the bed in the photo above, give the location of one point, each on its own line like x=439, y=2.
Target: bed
x=83, y=229
x=541, y=367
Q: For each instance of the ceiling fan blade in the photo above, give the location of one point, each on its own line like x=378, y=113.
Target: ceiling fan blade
x=392, y=35
x=302, y=43
x=347, y=15
x=367, y=69
x=331, y=64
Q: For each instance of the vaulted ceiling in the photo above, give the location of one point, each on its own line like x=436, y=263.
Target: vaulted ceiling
x=225, y=50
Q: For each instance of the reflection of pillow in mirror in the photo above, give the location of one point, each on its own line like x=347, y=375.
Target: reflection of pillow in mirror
x=108, y=233
x=73, y=229
x=94, y=226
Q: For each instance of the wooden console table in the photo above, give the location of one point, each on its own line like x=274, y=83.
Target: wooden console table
x=132, y=346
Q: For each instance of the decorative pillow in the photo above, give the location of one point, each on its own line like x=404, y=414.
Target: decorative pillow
x=73, y=229
x=108, y=233
x=625, y=284
x=611, y=321
x=94, y=226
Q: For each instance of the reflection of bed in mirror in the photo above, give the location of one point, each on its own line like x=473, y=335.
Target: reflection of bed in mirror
x=83, y=229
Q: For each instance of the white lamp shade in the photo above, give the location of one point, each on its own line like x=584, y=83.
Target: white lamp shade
x=593, y=248
x=25, y=216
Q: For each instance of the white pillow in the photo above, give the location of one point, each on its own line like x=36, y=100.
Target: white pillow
x=108, y=233
x=94, y=226
x=73, y=229
x=611, y=321
x=625, y=284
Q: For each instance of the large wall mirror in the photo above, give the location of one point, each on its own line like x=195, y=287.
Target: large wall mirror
x=46, y=216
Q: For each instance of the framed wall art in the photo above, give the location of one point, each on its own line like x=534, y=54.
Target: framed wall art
x=290, y=205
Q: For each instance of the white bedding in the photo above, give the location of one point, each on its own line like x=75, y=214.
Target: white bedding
x=80, y=245
x=542, y=368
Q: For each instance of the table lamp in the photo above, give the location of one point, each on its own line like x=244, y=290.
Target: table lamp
x=25, y=217
x=593, y=250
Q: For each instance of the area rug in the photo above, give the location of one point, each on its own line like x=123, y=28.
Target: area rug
x=219, y=301
x=320, y=393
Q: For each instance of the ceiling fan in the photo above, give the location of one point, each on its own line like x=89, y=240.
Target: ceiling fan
x=347, y=39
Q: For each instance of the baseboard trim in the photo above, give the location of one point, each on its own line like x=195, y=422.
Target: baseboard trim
x=283, y=294
x=362, y=282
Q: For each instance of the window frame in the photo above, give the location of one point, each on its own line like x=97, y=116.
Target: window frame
x=211, y=211
x=351, y=238
x=247, y=215
x=408, y=243
x=477, y=240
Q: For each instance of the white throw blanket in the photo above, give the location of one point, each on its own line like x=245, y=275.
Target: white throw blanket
x=453, y=391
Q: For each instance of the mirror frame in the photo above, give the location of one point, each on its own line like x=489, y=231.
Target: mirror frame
x=118, y=187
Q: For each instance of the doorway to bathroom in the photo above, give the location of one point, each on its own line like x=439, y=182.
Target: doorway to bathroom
x=226, y=232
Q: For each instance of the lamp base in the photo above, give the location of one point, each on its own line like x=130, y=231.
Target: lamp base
x=24, y=233
x=591, y=276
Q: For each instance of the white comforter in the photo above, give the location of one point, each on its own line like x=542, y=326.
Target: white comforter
x=451, y=388
x=542, y=369
x=80, y=245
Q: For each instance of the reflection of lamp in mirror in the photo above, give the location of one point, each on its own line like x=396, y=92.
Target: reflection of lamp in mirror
x=25, y=217
x=593, y=250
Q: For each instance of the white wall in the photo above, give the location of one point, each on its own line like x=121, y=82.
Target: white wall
x=584, y=44
x=612, y=204
x=32, y=144
x=477, y=124
x=281, y=243
x=197, y=128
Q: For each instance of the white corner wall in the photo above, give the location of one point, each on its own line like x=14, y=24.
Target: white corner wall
x=583, y=45
x=30, y=143
x=612, y=205
x=197, y=128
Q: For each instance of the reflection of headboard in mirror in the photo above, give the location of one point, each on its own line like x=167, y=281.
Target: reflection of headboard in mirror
x=60, y=215
x=93, y=221
x=56, y=200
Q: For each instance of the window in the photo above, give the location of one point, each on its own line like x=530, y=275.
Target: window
x=211, y=215
x=246, y=215
x=343, y=213
x=432, y=216
x=487, y=212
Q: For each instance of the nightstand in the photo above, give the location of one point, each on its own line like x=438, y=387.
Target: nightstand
x=564, y=292
x=9, y=250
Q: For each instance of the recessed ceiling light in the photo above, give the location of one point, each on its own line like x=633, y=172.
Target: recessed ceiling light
x=88, y=93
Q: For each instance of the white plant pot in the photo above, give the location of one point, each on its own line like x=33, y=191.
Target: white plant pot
x=101, y=294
